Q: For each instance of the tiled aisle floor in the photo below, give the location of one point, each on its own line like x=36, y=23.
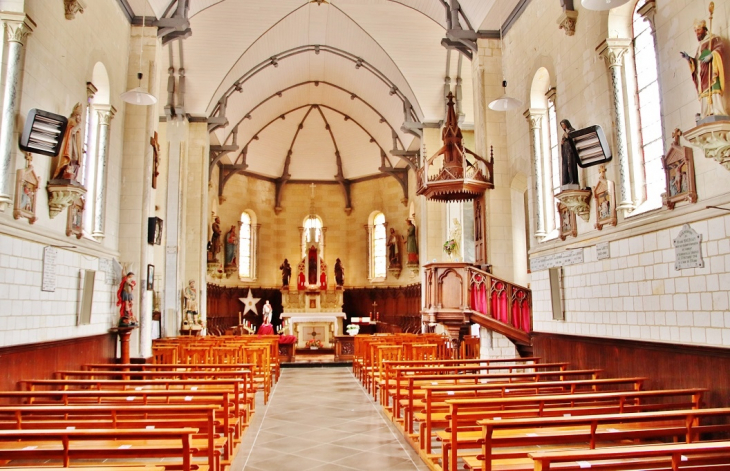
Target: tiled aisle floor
x=321, y=419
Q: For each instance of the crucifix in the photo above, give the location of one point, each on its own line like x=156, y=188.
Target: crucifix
x=155, y=159
x=313, y=334
x=312, y=186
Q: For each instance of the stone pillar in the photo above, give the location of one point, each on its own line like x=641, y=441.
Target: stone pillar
x=613, y=50
x=17, y=27
x=175, y=133
x=534, y=117
x=105, y=113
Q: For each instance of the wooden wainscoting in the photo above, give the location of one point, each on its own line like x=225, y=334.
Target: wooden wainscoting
x=665, y=365
x=41, y=360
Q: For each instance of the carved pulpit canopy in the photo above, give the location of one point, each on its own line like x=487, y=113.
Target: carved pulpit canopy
x=459, y=179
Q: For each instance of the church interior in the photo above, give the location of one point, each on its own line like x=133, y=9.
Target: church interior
x=365, y=234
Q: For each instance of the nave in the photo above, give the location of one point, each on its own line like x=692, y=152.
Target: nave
x=322, y=419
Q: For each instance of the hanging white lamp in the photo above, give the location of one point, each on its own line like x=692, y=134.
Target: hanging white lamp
x=505, y=102
x=138, y=95
x=602, y=4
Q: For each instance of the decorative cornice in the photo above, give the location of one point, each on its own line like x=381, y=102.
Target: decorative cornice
x=566, y=21
x=648, y=11
x=613, y=50
x=72, y=7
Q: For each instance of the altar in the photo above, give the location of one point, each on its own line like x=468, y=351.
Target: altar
x=324, y=325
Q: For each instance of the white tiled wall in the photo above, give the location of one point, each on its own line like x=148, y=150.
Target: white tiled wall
x=29, y=315
x=638, y=294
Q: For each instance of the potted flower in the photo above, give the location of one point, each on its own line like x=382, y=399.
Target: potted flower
x=450, y=247
x=353, y=329
x=313, y=344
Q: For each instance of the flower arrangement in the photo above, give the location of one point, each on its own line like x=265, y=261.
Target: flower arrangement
x=450, y=247
x=314, y=343
x=353, y=329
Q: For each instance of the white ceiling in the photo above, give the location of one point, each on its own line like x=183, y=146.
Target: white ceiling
x=401, y=39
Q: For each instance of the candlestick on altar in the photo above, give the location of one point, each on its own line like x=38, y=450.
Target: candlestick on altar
x=239, y=317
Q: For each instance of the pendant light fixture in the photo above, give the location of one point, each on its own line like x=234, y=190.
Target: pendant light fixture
x=138, y=95
x=602, y=4
x=505, y=102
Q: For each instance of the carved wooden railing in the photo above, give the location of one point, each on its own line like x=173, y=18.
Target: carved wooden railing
x=492, y=299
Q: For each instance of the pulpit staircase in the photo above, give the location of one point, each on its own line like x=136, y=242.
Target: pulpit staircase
x=458, y=294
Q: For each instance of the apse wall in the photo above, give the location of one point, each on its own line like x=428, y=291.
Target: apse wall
x=60, y=56
x=346, y=235
x=636, y=293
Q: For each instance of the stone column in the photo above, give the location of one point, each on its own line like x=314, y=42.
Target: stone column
x=105, y=113
x=613, y=50
x=534, y=117
x=17, y=27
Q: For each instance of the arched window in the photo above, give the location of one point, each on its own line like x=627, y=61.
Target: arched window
x=553, y=144
x=377, y=246
x=648, y=103
x=247, y=246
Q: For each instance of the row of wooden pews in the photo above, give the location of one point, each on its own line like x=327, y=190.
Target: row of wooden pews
x=521, y=414
x=189, y=410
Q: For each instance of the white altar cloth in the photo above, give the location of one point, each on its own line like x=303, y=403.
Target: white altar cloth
x=314, y=318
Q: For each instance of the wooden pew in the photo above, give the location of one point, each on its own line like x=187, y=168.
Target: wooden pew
x=98, y=444
x=416, y=382
x=201, y=417
x=464, y=413
x=394, y=373
x=87, y=468
x=434, y=416
x=516, y=438
x=698, y=456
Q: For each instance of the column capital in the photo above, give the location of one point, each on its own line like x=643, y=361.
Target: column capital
x=17, y=25
x=106, y=113
x=648, y=11
x=566, y=21
x=613, y=50
x=534, y=117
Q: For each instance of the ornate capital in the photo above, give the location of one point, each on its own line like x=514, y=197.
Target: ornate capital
x=105, y=113
x=648, y=11
x=90, y=90
x=613, y=50
x=566, y=21
x=534, y=117
x=17, y=26
x=72, y=7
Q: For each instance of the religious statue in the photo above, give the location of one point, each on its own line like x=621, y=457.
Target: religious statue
x=231, y=247
x=215, y=239
x=339, y=273
x=285, y=273
x=301, y=280
x=266, y=311
x=190, y=304
x=455, y=239
x=707, y=69
x=71, y=150
x=393, y=251
x=322, y=276
x=412, y=244
x=125, y=299
x=569, y=160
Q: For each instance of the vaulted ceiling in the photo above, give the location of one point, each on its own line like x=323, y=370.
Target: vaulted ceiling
x=367, y=65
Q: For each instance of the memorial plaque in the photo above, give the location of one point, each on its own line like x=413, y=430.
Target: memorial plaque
x=48, y=282
x=687, y=249
x=603, y=251
x=561, y=259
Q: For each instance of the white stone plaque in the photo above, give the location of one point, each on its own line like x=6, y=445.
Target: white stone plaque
x=561, y=259
x=49, y=269
x=687, y=249
x=603, y=251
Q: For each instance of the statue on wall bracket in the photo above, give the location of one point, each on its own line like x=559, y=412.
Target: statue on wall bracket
x=679, y=173
x=571, y=195
x=707, y=66
x=64, y=188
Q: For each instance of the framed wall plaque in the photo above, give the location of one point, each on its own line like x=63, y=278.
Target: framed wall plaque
x=154, y=231
x=679, y=172
x=567, y=226
x=26, y=189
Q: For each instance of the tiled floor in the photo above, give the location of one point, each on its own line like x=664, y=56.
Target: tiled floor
x=321, y=419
